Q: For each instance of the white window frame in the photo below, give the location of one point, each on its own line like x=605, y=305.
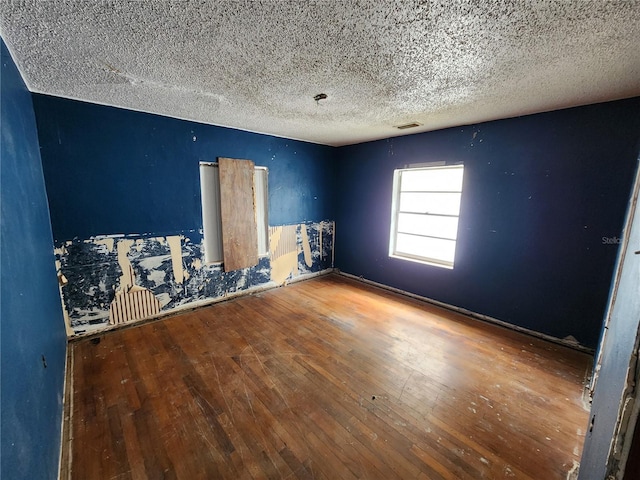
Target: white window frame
x=212, y=217
x=428, y=256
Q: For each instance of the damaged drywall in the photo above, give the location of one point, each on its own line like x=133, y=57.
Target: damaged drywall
x=306, y=245
x=118, y=279
x=284, y=253
x=299, y=249
x=134, y=304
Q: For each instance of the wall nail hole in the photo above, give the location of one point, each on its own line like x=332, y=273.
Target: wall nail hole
x=320, y=96
x=373, y=397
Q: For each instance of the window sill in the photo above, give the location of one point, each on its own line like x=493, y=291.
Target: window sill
x=424, y=261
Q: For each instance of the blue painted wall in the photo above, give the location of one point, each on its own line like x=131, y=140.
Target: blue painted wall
x=31, y=324
x=110, y=170
x=540, y=193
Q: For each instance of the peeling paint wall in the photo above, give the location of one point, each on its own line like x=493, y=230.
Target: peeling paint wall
x=110, y=171
x=118, y=279
x=284, y=253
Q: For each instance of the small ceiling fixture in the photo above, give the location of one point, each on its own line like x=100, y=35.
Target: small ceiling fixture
x=320, y=96
x=408, y=125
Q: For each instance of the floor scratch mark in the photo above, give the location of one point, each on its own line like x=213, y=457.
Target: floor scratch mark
x=201, y=432
x=405, y=384
x=224, y=397
x=270, y=378
x=246, y=394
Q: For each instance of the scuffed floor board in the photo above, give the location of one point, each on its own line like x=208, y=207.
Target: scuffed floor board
x=326, y=376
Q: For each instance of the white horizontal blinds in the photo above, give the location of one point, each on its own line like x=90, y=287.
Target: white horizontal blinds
x=427, y=248
x=260, y=182
x=211, y=212
x=211, y=215
x=432, y=226
x=426, y=209
x=436, y=202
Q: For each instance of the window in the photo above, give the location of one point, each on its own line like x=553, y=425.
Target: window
x=424, y=214
x=211, y=211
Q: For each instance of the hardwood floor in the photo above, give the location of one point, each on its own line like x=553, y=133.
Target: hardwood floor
x=325, y=379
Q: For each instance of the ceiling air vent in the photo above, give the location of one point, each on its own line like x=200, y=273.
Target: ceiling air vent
x=408, y=125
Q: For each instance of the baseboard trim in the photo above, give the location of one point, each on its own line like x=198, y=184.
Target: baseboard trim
x=66, y=435
x=464, y=311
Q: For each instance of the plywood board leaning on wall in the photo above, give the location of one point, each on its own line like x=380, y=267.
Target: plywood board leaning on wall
x=237, y=203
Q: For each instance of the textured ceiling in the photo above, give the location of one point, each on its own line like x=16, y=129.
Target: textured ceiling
x=256, y=65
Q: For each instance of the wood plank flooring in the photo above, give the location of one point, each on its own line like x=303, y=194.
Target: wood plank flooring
x=325, y=379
